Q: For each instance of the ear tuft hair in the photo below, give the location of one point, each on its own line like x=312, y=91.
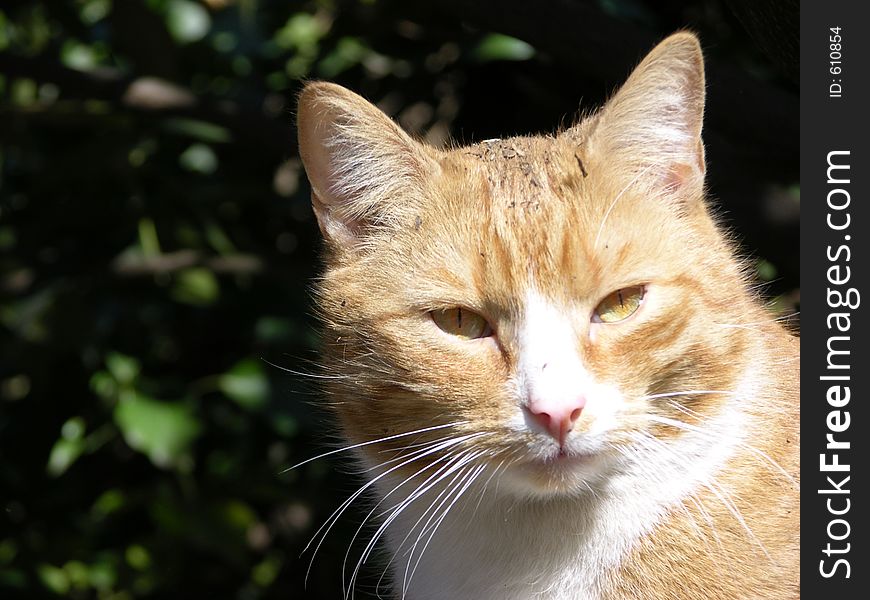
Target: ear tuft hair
x=359, y=163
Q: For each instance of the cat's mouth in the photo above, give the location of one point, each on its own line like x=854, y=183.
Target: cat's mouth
x=558, y=471
x=562, y=458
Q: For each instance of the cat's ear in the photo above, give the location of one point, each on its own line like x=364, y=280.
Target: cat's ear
x=362, y=167
x=653, y=123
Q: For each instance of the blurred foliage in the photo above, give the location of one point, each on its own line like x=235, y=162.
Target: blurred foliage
x=156, y=246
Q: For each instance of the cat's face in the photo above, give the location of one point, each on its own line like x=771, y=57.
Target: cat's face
x=547, y=304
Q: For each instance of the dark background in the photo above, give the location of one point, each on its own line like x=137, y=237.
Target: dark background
x=157, y=249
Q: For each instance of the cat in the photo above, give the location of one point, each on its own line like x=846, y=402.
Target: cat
x=548, y=358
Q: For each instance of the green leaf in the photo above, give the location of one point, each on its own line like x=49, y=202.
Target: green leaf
x=63, y=454
x=163, y=431
x=302, y=32
x=246, y=384
x=187, y=21
x=68, y=448
x=4, y=31
x=148, y=239
x=236, y=514
x=8, y=238
x=82, y=57
x=73, y=429
x=285, y=424
x=138, y=557
x=766, y=270
x=218, y=239
x=199, y=158
x=274, y=329
x=265, y=573
x=104, y=385
x=125, y=369
x=199, y=130
x=349, y=51
x=103, y=574
x=92, y=11
x=24, y=92
x=78, y=574
x=196, y=286
x=496, y=46
x=54, y=578
x=109, y=502
x=8, y=551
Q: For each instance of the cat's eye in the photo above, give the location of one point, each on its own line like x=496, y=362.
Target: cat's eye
x=461, y=322
x=619, y=305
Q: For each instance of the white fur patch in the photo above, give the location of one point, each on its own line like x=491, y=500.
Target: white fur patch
x=549, y=361
x=551, y=368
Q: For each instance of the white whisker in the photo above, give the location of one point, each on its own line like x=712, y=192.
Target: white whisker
x=703, y=432
x=726, y=500
x=302, y=373
x=369, y=443
x=397, y=509
x=443, y=474
x=685, y=393
x=407, y=580
x=333, y=518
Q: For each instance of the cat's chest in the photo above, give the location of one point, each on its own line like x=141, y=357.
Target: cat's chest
x=516, y=550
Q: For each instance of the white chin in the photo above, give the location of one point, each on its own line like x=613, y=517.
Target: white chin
x=570, y=475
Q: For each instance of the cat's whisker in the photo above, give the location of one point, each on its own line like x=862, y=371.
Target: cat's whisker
x=333, y=518
x=423, y=531
x=471, y=477
x=403, y=448
x=400, y=453
x=719, y=491
x=654, y=445
x=450, y=456
x=371, y=442
x=394, y=511
x=752, y=324
x=758, y=326
x=444, y=474
x=710, y=483
x=434, y=505
x=485, y=486
x=713, y=437
x=303, y=373
x=685, y=393
x=456, y=462
x=349, y=587
x=686, y=411
x=705, y=514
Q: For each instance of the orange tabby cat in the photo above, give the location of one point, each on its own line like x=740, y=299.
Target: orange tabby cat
x=548, y=359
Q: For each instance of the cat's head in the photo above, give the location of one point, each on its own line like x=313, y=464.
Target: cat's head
x=545, y=304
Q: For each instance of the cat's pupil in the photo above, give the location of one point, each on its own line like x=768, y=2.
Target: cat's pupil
x=462, y=323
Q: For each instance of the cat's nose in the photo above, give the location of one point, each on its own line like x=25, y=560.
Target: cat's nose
x=557, y=416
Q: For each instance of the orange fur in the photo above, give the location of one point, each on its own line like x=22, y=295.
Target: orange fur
x=615, y=201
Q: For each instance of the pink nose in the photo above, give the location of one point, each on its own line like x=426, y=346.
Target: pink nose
x=557, y=417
